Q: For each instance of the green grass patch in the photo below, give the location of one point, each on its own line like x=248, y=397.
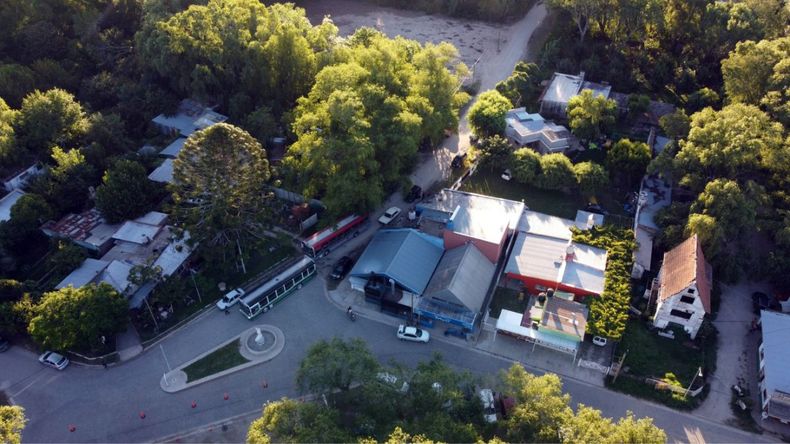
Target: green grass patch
x=221, y=359
x=508, y=299
x=258, y=263
x=652, y=355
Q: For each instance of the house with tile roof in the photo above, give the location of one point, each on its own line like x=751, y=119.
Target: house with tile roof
x=685, y=283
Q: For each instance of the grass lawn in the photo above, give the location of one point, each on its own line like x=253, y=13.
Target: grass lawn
x=652, y=355
x=215, y=362
x=260, y=261
x=507, y=298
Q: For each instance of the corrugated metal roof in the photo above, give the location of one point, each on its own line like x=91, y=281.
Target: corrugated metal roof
x=85, y=274
x=551, y=226
x=404, y=255
x=462, y=277
x=136, y=232
x=174, y=148
x=163, y=173
x=775, y=327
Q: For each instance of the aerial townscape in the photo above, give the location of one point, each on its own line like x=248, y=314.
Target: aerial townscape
x=425, y=221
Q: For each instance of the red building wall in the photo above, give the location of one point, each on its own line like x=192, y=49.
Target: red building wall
x=531, y=284
x=490, y=250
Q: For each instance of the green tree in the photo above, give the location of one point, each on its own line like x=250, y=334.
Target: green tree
x=736, y=142
x=27, y=215
x=628, y=160
x=588, y=425
x=68, y=180
x=747, y=71
x=495, y=152
x=12, y=422
x=590, y=116
x=50, y=118
x=523, y=84
x=556, y=172
x=581, y=11
x=541, y=408
x=591, y=177
x=9, y=151
x=218, y=188
x=526, y=165
x=637, y=104
x=675, y=125
x=15, y=82
x=733, y=208
x=125, y=192
x=335, y=365
x=702, y=98
x=77, y=318
x=487, y=114
x=288, y=420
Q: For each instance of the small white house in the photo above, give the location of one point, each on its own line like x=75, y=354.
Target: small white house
x=685, y=282
x=20, y=178
x=531, y=129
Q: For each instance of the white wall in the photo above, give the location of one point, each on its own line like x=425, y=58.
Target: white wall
x=663, y=314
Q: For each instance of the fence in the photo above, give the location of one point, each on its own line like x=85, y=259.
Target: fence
x=95, y=360
x=659, y=384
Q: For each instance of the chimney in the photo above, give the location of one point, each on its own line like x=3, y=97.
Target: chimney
x=569, y=253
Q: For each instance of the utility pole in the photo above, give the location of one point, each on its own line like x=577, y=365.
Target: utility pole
x=619, y=367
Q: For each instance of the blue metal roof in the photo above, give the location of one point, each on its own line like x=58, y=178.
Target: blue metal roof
x=407, y=256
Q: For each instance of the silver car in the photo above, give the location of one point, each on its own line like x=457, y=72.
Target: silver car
x=54, y=360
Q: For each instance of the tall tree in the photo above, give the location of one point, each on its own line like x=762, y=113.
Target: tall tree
x=628, y=160
x=9, y=152
x=590, y=115
x=747, y=71
x=526, y=165
x=556, y=172
x=733, y=208
x=581, y=11
x=487, y=114
x=50, y=118
x=541, y=408
x=335, y=365
x=218, y=188
x=12, y=421
x=523, y=84
x=591, y=177
x=125, y=193
x=77, y=318
x=288, y=420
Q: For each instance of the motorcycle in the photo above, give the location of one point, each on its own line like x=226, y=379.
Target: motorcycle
x=351, y=315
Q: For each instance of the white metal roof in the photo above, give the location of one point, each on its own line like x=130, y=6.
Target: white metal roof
x=174, y=148
x=152, y=218
x=83, y=275
x=136, y=232
x=175, y=254
x=7, y=202
x=542, y=224
x=163, y=173
x=562, y=87
x=475, y=215
x=776, y=327
x=117, y=275
x=586, y=220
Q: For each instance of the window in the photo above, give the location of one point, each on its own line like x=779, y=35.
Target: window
x=687, y=299
x=690, y=291
x=680, y=314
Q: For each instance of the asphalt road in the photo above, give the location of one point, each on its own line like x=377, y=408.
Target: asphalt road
x=105, y=405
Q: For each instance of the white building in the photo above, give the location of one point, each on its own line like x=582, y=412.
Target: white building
x=532, y=130
x=774, y=358
x=685, y=282
x=562, y=88
x=20, y=178
x=8, y=201
x=190, y=117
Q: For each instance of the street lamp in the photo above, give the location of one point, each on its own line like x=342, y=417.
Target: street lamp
x=698, y=373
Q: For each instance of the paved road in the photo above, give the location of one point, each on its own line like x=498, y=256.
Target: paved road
x=104, y=405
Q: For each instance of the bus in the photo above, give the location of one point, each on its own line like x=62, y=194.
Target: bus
x=277, y=288
x=318, y=244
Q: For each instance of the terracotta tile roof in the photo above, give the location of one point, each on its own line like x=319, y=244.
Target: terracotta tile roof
x=684, y=265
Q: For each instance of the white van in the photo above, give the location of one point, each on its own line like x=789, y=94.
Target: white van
x=230, y=299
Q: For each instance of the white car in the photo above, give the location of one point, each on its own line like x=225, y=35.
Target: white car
x=599, y=341
x=487, y=399
x=54, y=360
x=230, y=299
x=413, y=334
x=507, y=175
x=389, y=215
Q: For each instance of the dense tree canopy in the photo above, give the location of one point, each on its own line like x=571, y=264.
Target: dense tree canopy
x=523, y=85
x=526, y=165
x=590, y=115
x=77, y=318
x=218, y=188
x=288, y=420
x=125, y=192
x=487, y=114
x=50, y=118
x=556, y=172
x=591, y=177
x=628, y=160
x=12, y=421
x=335, y=365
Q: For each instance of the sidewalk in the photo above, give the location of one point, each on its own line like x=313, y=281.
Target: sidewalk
x=487, y=341
x=128, y=343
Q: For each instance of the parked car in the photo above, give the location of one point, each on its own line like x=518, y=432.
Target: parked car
x=595, y=208
x=413, y=334
x=599, y=341
x=507, y=175
x=392, y=380
x=54, y=360
x=458, y=160
x=389, y=215
x=341, y=268
x=414, y=194
x=4, y=344
x=487, y=399
x=762, y=301
x=230, y=299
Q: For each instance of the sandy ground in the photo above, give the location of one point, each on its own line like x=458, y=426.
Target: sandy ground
x=472, y=38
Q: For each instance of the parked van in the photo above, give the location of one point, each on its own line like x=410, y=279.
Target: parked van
x=487, y=399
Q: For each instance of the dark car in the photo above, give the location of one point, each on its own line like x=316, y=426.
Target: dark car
x=414, y=194
x=762, y=301
x=595, y=208
x=341, y=268
x=4, y=344
x=458, y=160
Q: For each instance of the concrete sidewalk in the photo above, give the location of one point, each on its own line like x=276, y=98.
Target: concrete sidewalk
x=538, y=358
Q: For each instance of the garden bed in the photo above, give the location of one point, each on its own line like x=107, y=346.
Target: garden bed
x=223, y=358
x=508, y=299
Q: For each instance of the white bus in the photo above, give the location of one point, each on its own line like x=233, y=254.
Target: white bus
x=277, y=288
